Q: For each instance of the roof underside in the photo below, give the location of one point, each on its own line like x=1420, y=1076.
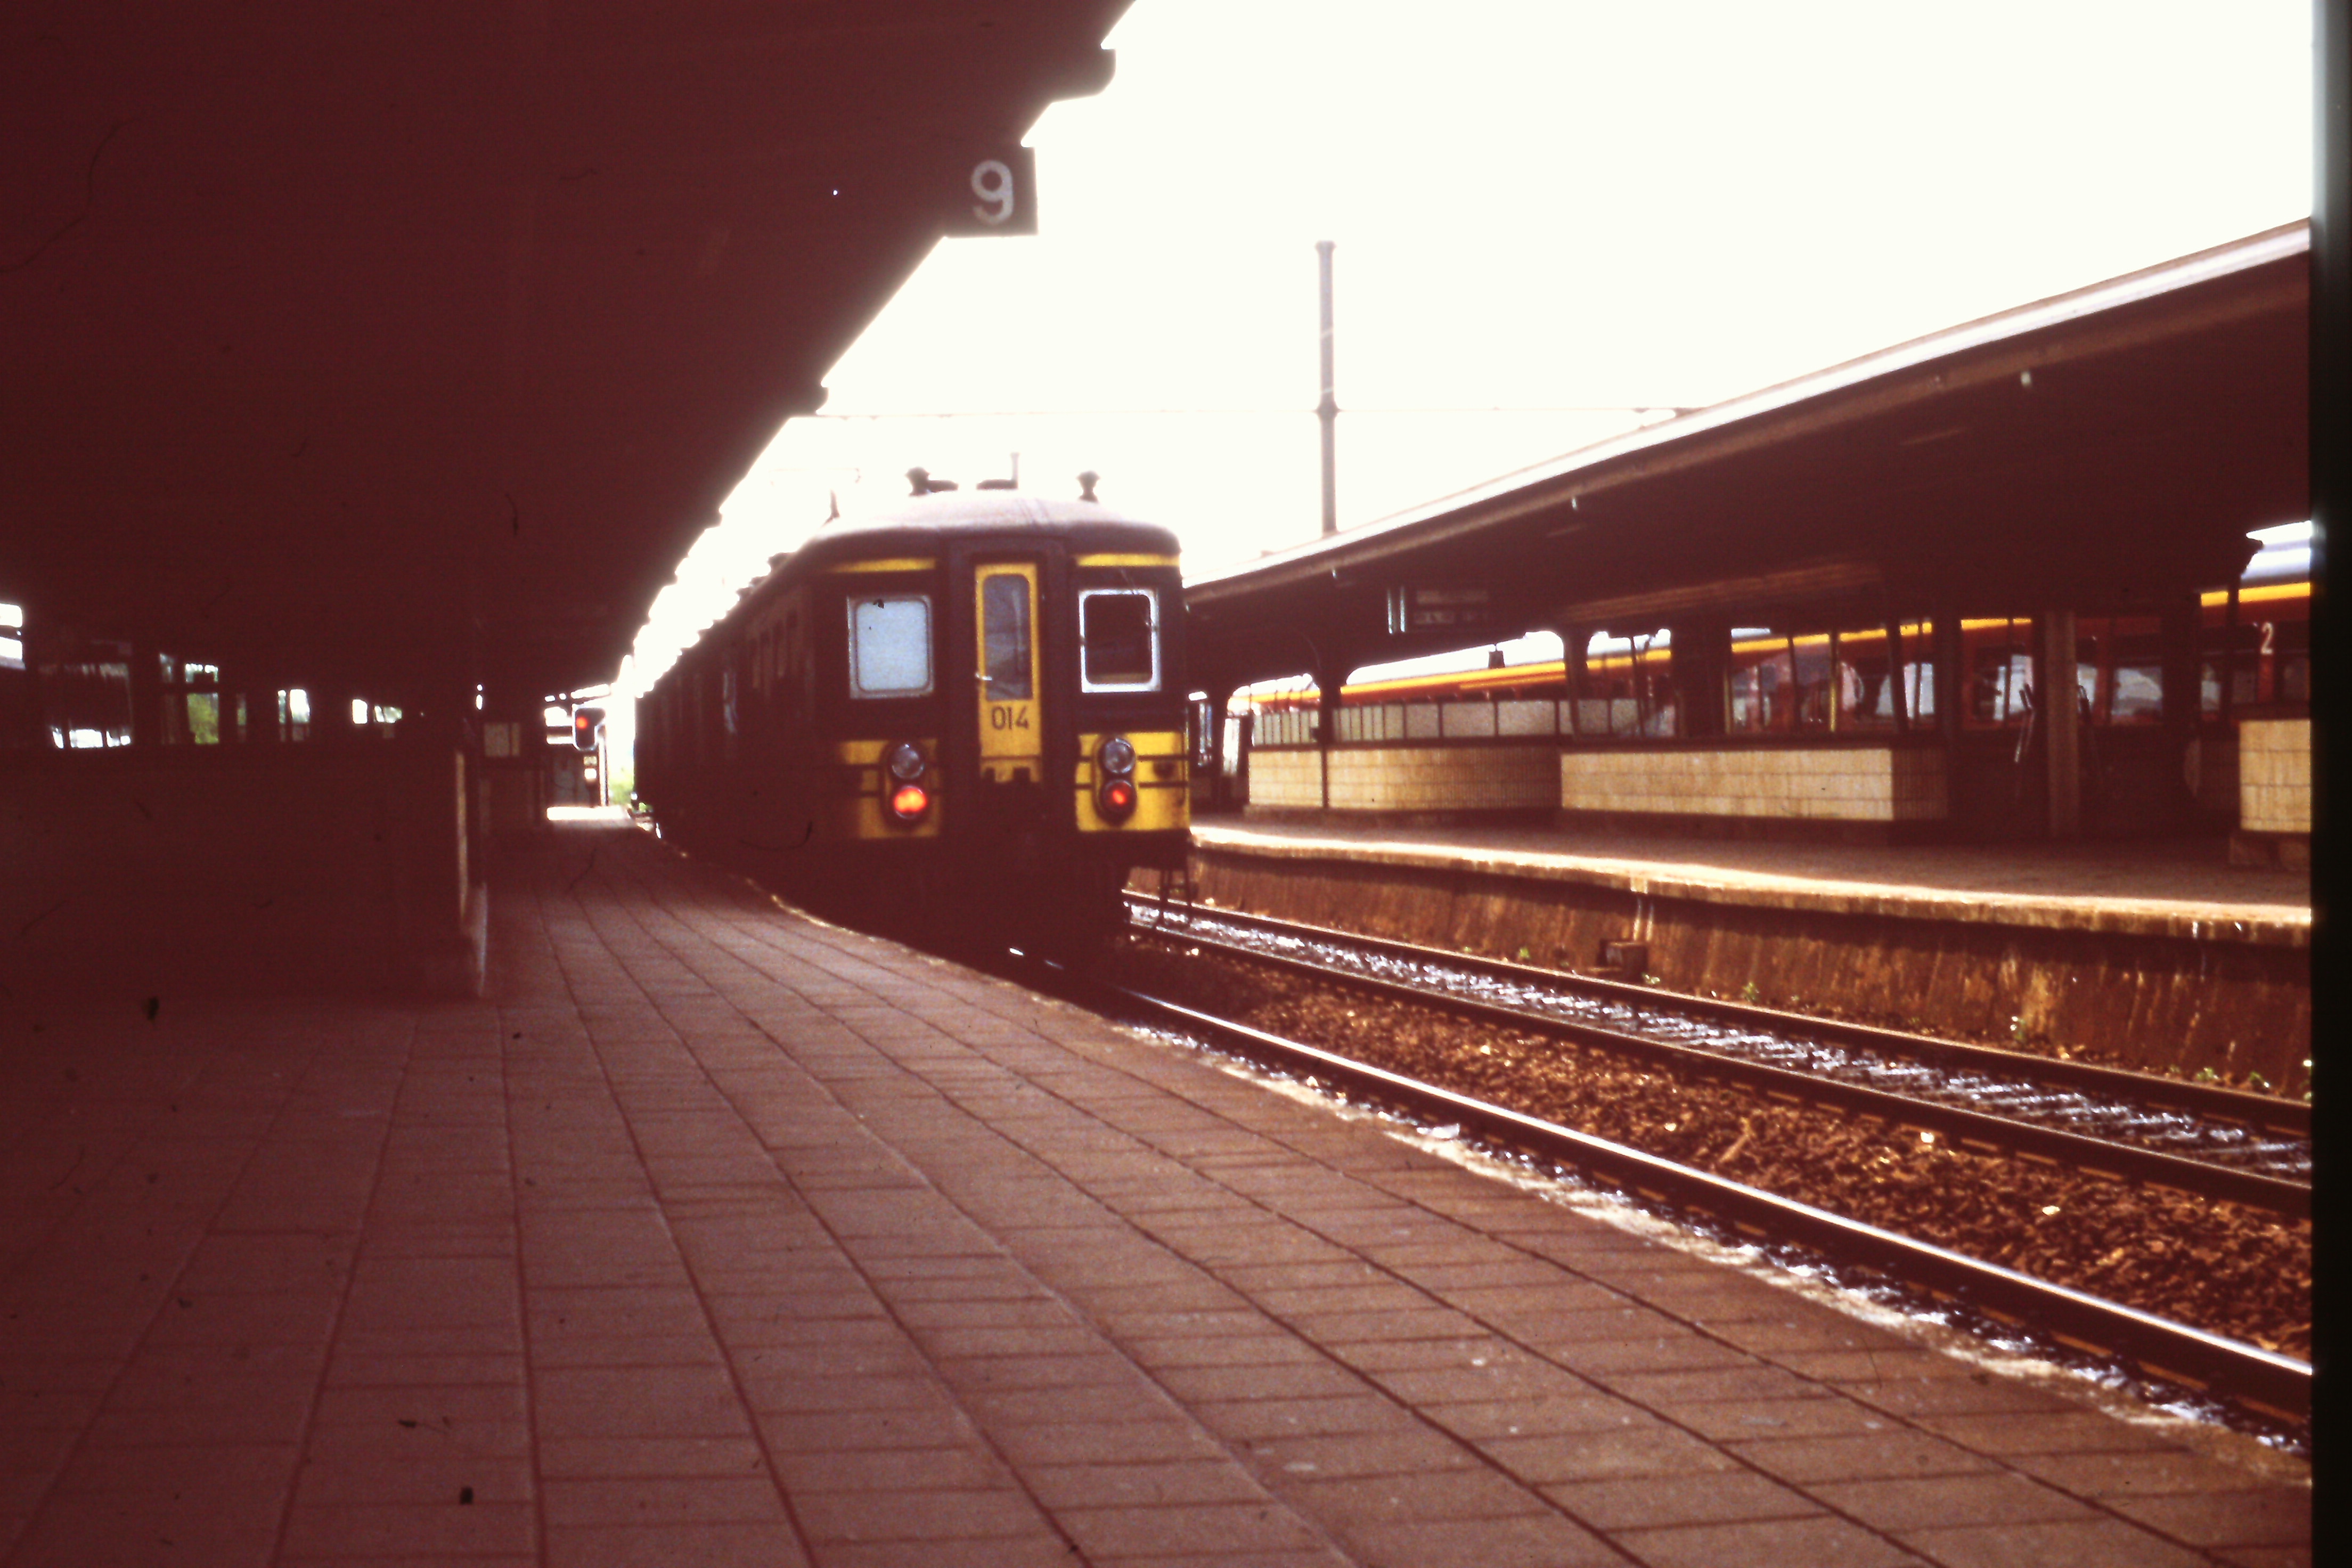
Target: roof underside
x=2109, y=446
x=425, y=337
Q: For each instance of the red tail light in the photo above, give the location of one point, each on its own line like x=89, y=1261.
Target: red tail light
x=909, y=802
x=1117, y=801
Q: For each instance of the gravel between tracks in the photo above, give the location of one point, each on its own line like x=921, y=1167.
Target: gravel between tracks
x=2216, y=1265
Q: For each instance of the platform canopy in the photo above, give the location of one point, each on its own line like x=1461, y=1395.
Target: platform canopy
x=2108, y=447
x=422, y=339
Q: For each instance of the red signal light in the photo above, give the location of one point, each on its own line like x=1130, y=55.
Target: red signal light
x=1118, y=799
x=909, y=801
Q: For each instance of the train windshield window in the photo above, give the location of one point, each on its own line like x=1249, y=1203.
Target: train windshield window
x=891, y=645
x=1117, y=634
x=1004, y=626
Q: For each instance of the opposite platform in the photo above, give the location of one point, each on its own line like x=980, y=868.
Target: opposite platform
x=718, y=1236
x=2183, y=888
x=2156, y=955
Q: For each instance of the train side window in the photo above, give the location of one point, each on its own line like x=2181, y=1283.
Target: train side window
x=891, y=645
x=1004, y=633
x=1118, y=639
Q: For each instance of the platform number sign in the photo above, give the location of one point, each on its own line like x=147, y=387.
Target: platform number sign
x=995, y=191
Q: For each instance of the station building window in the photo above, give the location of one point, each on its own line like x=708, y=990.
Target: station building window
x=1886, y=678
x=2258, y=652
x=1865, y=680
x=1997, y=673
x=19, y=712
x=1916, y=686
x=294, y=713
x=2119, y=670
x=2119, y=665
x=192, y=701
x=1284, y=713
x=1763, y=683
x=1860, y=684
x=1624, y=689
x=731, y=700
x=85, y=695
x=382, y=716
x=1784, y=683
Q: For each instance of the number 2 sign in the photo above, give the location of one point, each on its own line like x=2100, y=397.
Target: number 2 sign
x=995, y=193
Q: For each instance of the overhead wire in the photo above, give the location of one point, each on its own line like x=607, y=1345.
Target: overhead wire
x=1135, y=413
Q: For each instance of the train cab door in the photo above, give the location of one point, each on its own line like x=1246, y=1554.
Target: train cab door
x=1008, y=706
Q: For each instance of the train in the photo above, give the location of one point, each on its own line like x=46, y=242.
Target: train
x=970, y=705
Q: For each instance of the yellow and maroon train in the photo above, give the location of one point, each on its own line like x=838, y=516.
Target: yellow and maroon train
x=974, y=702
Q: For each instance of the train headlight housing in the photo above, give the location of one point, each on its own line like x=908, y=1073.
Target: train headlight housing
x=903, y=766
x=909, y=801
x=1114, y=792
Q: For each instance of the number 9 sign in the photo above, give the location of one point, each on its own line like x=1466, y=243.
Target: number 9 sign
x=991, y=181
x=997, y=194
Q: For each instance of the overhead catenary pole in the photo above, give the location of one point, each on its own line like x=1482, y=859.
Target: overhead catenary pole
x=1327, y=409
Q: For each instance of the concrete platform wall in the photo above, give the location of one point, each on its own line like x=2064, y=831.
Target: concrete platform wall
x=269, y=870
x=2158, y=1003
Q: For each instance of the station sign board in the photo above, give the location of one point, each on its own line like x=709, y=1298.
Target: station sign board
x=994, y=192
x=1433, y=608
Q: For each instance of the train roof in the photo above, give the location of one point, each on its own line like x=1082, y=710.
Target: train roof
x=916, y=523
x=916, y=520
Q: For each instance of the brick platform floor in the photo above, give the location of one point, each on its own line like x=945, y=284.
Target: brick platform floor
x=718, y=1236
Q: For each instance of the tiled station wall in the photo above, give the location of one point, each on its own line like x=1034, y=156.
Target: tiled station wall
x=1445, y=778
x=2274, y=775
x=1410, y=778
x=1289, y=779
x=1861, y=784
x=1858, y=783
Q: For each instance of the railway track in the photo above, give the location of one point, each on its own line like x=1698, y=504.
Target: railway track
x=2211, y=1142
x=2158, y=1347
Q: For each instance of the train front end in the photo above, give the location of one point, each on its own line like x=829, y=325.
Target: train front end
x=1011, y=723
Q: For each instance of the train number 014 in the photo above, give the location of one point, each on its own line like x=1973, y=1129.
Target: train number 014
x=1008, y=716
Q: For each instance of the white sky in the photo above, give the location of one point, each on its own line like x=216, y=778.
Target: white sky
x=1537, y=203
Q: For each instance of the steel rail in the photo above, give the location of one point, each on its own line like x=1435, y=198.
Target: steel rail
x=2159, y=1346
x=2267, y=1111
x=2095, y=1156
